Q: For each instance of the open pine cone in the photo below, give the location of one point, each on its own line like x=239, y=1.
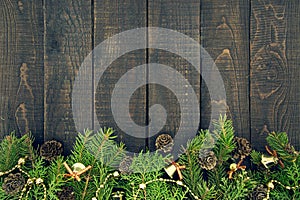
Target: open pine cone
x=67, y=193
x=207, y=159
x=13, y=183
x=124, y=166
x=259, y=193
x=164, y=142
x=51, y=149
x=243, y=148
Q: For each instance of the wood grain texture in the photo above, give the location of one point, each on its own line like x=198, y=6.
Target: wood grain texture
x=224, y=34
x=255, y=45
x=270, y=81
x=68, y=40
x=182, y=17
x=21, y=68
x=293, y=60
x=111, y=18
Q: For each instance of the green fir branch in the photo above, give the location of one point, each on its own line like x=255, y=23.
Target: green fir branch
x=256, y=157
x=224, y=132
x=193, y=175
x=13, y=148
x=105, y=149
x=280, y=143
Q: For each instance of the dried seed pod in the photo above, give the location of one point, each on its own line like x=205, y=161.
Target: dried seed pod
x=259, y=193
x=13, y=183
x=124, y=166
x=207, y=159
x=51, y=149
x=164, y=142
x=243, y=148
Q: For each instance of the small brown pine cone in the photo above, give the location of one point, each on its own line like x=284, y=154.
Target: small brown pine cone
x=164, y=142
x=13, y=183
x=51, y=149
x=67, y=193
x=259, y=193
x=124, y=166
x=243, y=148
x=207, y=159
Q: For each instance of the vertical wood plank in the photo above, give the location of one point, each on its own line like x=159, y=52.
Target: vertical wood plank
x=293, y=60
x=111, y=18
x=270, y=81
x=68, y=40
x=21, y=68
x=224, y=34
x=182, y=17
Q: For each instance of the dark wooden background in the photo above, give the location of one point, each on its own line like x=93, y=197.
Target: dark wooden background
x=255, y=44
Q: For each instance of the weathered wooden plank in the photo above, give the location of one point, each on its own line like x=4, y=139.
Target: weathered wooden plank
x=224, y=34
x=270, y=81
x=182, y=17
x=111, y=18
x=21, y=68
x=68, y=40
x=293, y=60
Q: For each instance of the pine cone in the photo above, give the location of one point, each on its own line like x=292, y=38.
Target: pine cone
x=124, y=166
x=13, y=183
x=67, y=193
x=164, y=142
x=243, y=148
x=207, y=159
x=51, y=149
x=259, y=193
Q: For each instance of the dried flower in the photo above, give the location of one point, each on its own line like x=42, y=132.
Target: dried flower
x=13, y=183
x=207, y=159
x=164, y=142
x=51, y=149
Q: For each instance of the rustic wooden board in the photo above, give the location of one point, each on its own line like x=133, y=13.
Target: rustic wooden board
x=111, y=18
x=293, y=60
x=270, y=69
x=255, y=45
x=68, y=40
x=21, y=68
x=182, y=17
x=224, y=34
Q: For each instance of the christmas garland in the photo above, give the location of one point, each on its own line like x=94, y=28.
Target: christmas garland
x=98, y=168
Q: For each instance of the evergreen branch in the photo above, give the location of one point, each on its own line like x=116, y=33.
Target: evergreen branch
x=193, y=173
x=280, y=143
x=256, y=157
x=13, y=148
x=55, y=178
x=105, y=149
x=225, y=139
